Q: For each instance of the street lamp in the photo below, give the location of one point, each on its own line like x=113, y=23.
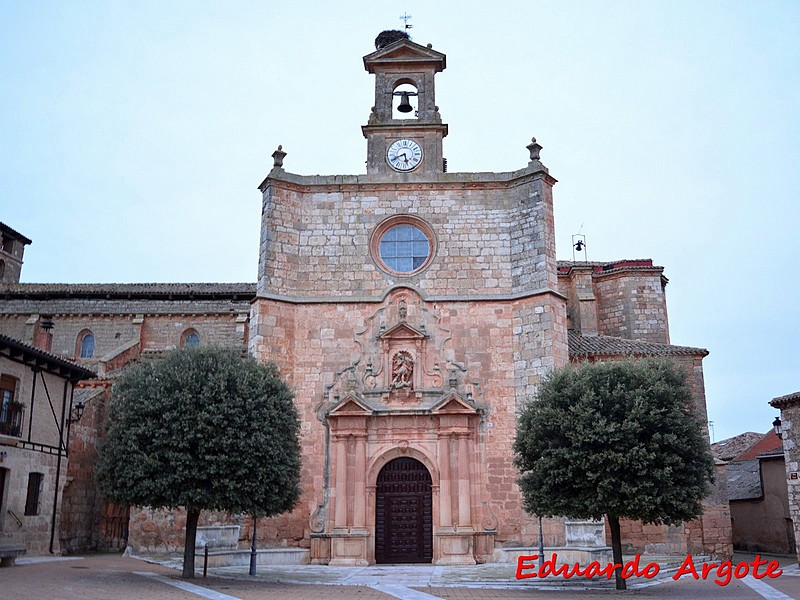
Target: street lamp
x=776, y=424
x=77, y=411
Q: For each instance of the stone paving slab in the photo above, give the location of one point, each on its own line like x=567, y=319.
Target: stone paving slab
x=113, y=577
x=492, y=575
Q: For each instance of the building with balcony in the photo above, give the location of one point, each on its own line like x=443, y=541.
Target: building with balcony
x=36, y=412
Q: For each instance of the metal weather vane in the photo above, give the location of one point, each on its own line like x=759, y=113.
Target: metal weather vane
x=405, y=18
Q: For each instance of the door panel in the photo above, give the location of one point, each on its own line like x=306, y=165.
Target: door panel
x=403, y=515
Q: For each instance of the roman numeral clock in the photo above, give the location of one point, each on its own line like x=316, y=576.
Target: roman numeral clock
x=404, y=155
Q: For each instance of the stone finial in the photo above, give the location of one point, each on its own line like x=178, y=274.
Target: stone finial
x=534, y=149
x=278, y=157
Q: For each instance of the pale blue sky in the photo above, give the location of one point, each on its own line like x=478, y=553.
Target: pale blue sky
x=133, y=136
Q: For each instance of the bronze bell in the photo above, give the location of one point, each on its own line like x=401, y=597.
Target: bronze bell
x=405, y=105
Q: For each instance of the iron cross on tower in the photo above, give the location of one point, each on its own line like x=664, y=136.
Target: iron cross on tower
x=405, y=17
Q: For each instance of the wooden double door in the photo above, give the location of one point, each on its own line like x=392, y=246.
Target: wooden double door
x=403, y=513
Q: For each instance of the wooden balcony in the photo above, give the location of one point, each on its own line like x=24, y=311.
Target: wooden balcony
x=11, y=418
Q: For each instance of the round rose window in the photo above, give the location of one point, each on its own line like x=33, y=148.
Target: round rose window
x=404, y=248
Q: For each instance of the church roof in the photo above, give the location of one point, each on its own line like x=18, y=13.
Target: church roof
x=730, y=448
x=744, y=480
x=129, y=290
x=769, y=445
x=12, y=233
x=603, y=345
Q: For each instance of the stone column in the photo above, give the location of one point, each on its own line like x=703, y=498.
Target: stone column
x=340, y=516
x=464, y=499
x=445, y=513
x=360, y=483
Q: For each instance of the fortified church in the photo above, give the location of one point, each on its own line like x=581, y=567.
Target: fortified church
x=414, y=312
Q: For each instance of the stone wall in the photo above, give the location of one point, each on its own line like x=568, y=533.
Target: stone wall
x=493, y=234
x=789, y=406
x=126, y=321
x=314, y=343
x=88, y=523
x=631, y=304
x=17, y=528
x=763, y=524
x=710, y=534
x=623, y=298
x=156, y=323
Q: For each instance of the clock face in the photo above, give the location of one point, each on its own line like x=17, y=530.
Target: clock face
x=404, y=155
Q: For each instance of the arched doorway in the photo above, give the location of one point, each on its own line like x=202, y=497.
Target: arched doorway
x=403, y=513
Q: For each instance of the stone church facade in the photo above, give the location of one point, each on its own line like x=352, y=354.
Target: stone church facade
x=413, y=311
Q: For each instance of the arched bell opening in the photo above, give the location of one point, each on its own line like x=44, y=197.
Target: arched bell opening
x=405, y=100
x=404, y=513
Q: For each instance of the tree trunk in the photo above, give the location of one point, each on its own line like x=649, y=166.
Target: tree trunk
x=192, y=516
x=616, y=550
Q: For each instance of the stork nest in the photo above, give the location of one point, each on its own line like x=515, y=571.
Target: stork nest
x=390, y=36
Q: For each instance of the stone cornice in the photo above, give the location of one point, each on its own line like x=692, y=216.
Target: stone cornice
x=405, y=181
x=601, y=270
x=398, y=126
x=786, y=401
x=129, y=291
x=404, y=52
x=291, y=299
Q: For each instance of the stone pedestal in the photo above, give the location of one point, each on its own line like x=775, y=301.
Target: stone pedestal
x=348, y=549
x=585, y=534
x=218, y=537
x=454, y=547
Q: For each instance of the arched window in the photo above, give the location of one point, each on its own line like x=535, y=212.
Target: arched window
x=86, y=344
x=190, y=339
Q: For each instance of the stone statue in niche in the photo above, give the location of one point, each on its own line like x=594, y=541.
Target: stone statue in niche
x=402, y=371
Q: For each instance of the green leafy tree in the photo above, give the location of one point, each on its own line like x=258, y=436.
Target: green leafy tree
x=203, y=428
x=615, y=439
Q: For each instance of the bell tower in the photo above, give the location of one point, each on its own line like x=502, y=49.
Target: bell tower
x=405, y=130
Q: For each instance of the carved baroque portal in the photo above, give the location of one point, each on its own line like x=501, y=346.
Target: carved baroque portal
x=403, y=356
x=402, y=395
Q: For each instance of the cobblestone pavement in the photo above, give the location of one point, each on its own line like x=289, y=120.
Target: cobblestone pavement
x=114, y=577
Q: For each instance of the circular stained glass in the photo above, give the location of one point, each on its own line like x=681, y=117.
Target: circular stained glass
x=404, y=248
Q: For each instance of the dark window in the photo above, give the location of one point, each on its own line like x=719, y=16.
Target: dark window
x=87, y=345
x=34, y=490
x=191, y=339
x=8, y=387
x=11, y=411
x=404, y=248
